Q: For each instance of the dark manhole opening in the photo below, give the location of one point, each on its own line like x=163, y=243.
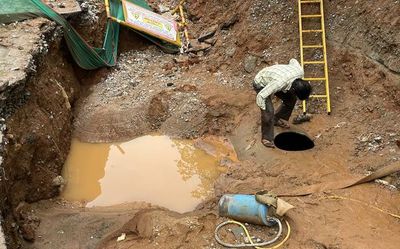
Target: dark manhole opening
x=293, y=141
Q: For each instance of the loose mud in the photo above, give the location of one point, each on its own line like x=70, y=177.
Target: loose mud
x=201, y=94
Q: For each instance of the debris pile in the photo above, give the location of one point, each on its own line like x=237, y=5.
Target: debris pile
x=375, y=142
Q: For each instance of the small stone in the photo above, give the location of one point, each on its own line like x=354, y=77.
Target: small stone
x=250, y=63
x=170, y=84
x=10, y=136
x=226, y=162
x=27, y=232
x=211, y=41
x=234, y=19
x=230, y=51
x=122, y=237
x=301, y=118
x=208, y=33
x=58, y=181
x=61, y=5
x=196, y=46
x=162, y=8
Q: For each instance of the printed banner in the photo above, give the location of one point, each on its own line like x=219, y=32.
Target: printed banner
x=151, y=23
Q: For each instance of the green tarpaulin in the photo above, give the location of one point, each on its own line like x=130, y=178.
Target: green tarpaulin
x=16, y=10
x=84, y=55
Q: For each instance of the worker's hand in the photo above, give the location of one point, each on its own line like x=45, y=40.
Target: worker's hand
x=260, y=102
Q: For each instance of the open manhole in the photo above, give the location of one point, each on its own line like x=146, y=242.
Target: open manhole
x=293, y=141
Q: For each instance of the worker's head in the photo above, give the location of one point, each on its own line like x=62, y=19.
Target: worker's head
x=302, y=89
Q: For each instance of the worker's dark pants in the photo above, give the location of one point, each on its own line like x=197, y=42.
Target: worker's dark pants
x=269, y=116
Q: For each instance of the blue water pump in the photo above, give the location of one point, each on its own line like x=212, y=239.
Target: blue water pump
x=245, y=208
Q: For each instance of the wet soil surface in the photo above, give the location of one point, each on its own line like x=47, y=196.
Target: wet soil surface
x=209, y=92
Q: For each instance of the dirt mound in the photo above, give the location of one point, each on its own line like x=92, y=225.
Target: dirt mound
x=138, y=98
x=155, y=228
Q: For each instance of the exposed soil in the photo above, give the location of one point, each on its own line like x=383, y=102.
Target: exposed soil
x=209, y=92
x=36, y=101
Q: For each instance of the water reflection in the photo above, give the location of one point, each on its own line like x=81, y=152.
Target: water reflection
x=156, y=169
x=85, y=166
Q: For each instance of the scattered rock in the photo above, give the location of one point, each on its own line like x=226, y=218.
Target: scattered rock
x=197, y=46
x=386, y=184
x=234, y=19
x=211, y=41
x=301, y=118
x=226, y=162
x=230, y=51
x=250, y=63
x=122, y=237
x=162, y=8
x=185, y=61
x=61, y=5
x=28, y=232
x=208, y=33
x=58, y=181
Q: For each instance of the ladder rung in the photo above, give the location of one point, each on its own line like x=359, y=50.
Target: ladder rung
x=317, y=96
x=313, y=62
x=313, y=46
x=310, y=16
x=311, y=30
x=314, y=79
x=311, y=1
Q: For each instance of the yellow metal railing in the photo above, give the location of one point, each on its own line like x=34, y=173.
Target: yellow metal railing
x=308, y=47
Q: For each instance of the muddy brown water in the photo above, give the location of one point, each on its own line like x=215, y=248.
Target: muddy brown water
x=172, y=173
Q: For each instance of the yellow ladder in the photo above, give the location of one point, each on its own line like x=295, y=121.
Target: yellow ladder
x=309, y=47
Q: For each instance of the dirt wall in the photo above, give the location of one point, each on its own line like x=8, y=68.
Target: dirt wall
x=37, y=125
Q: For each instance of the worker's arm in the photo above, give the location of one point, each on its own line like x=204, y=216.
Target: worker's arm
x=268, y=90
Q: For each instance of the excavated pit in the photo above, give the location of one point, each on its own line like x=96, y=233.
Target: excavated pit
x=51, y=162
x=187, y=97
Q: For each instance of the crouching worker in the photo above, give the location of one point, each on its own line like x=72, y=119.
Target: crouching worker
x=283, y=81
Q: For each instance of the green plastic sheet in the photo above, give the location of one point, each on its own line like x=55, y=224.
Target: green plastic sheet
x=17, y=10
x=85, y=56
